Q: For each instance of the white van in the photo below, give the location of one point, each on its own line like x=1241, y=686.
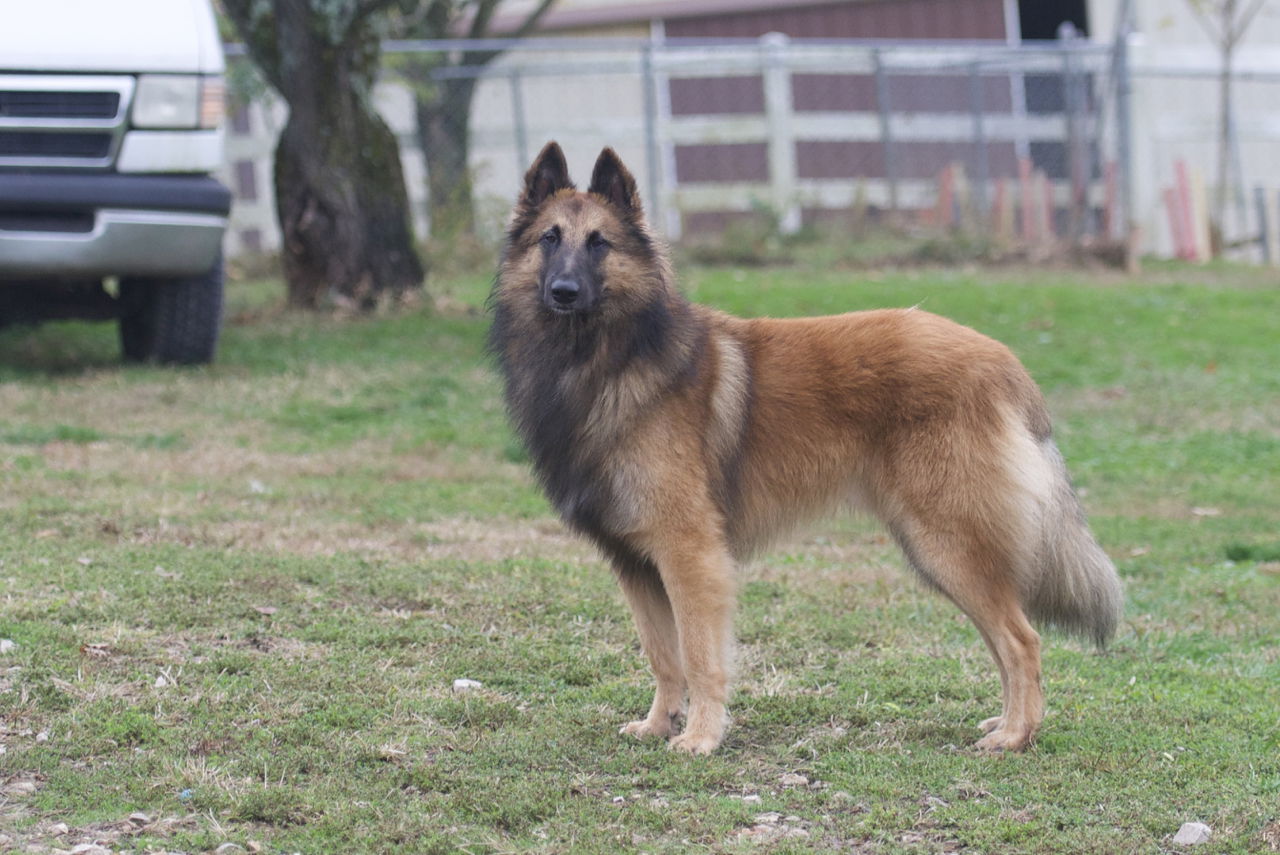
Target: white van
x=110, y=128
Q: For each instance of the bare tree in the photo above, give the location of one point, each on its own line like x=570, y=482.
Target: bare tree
x=340, y=194
x=1225, y=22
x=444, y=84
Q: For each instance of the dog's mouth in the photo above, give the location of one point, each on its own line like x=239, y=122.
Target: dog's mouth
x=570, y=311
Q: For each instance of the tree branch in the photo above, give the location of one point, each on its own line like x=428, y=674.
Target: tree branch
x=533, y=17
x=480, y=21
x=1208, y=18
x=487, y=7
x=1245, y=19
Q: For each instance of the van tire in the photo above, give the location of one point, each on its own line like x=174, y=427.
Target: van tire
x=172, y=321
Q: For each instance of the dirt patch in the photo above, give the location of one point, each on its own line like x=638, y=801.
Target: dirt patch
x=220, y=461
x=457, y=538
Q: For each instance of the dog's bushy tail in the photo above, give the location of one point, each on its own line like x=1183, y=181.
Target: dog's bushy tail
x=1077, y=588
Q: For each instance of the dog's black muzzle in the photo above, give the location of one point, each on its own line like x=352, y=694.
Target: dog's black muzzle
x=564, y=292
x=566, y=295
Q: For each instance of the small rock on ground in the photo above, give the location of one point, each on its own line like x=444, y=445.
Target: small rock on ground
x=1192, y=833
x=90, y=849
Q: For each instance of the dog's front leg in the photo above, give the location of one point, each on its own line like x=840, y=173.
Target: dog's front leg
x=661, y=643
x=697, y=574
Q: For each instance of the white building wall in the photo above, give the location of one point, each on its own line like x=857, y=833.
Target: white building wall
x=1175, y=118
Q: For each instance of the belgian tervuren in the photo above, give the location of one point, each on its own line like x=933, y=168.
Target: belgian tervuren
x=683, y=440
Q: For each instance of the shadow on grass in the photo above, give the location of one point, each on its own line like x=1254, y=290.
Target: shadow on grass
x=55, y=350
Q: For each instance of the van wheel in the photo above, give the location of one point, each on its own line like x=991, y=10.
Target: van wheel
x=172, y=321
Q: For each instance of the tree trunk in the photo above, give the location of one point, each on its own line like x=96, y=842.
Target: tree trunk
x=444, y=136
x=340, y=195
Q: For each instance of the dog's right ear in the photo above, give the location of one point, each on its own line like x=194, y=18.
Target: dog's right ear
x=548, y=175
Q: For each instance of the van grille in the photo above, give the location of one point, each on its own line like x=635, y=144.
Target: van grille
x=57, y=121
x=94, y=145
x=18, y=104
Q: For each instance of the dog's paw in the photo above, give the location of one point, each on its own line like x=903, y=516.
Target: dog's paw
x=695, y=743
x=994, y=723
x=1005, y=739
x=645, y=727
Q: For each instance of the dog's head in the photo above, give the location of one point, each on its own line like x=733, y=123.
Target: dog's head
x=580, y=255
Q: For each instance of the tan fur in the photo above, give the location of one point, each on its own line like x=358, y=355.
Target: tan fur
x=736, y=430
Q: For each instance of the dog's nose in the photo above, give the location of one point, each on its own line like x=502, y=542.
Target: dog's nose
x=564, y=291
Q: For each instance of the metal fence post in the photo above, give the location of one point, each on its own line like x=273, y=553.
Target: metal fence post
x=886, y=131
x=981, y=157
x=1264, y=224
x=1124, y=142
x=781, y=145
x=518, y=120
x=652, y=161
x=1073, y=105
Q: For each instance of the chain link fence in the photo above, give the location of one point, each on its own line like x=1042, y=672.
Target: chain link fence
x=1027, y=147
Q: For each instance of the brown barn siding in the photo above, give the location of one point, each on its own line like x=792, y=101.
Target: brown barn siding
x=817, y=160
x=698, y=96
x=921, y=159
x=722, y=162
x=882, y=19
x=926, y=93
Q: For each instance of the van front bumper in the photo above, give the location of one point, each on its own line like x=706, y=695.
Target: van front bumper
x=64, y=225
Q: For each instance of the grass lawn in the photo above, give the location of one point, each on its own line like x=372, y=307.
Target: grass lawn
x=239, y=597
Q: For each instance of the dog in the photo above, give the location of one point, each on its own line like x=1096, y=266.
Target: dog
x=683, y=440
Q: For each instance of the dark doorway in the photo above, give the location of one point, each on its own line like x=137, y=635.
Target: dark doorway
x=1039, y=19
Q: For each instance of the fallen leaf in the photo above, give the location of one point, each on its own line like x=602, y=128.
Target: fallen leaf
x=1206, y=512
x=265, y=610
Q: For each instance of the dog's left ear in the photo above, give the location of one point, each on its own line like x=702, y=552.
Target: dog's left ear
x=611, y=180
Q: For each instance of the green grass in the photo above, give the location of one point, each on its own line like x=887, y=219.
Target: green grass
x=240, y=596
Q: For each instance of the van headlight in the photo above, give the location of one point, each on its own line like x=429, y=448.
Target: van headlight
x=179, y=101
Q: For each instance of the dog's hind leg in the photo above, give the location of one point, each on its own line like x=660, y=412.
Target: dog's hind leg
x=980, y=577
x=658, y=637
x=1016, y=646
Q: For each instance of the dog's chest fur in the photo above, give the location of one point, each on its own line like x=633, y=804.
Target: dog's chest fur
x=595, y=418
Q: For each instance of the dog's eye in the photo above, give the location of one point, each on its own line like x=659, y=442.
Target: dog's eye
x=550, y=237
x=596, y=241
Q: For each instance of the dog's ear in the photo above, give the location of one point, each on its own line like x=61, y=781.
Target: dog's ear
x=548, y=175
x=611, y=180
